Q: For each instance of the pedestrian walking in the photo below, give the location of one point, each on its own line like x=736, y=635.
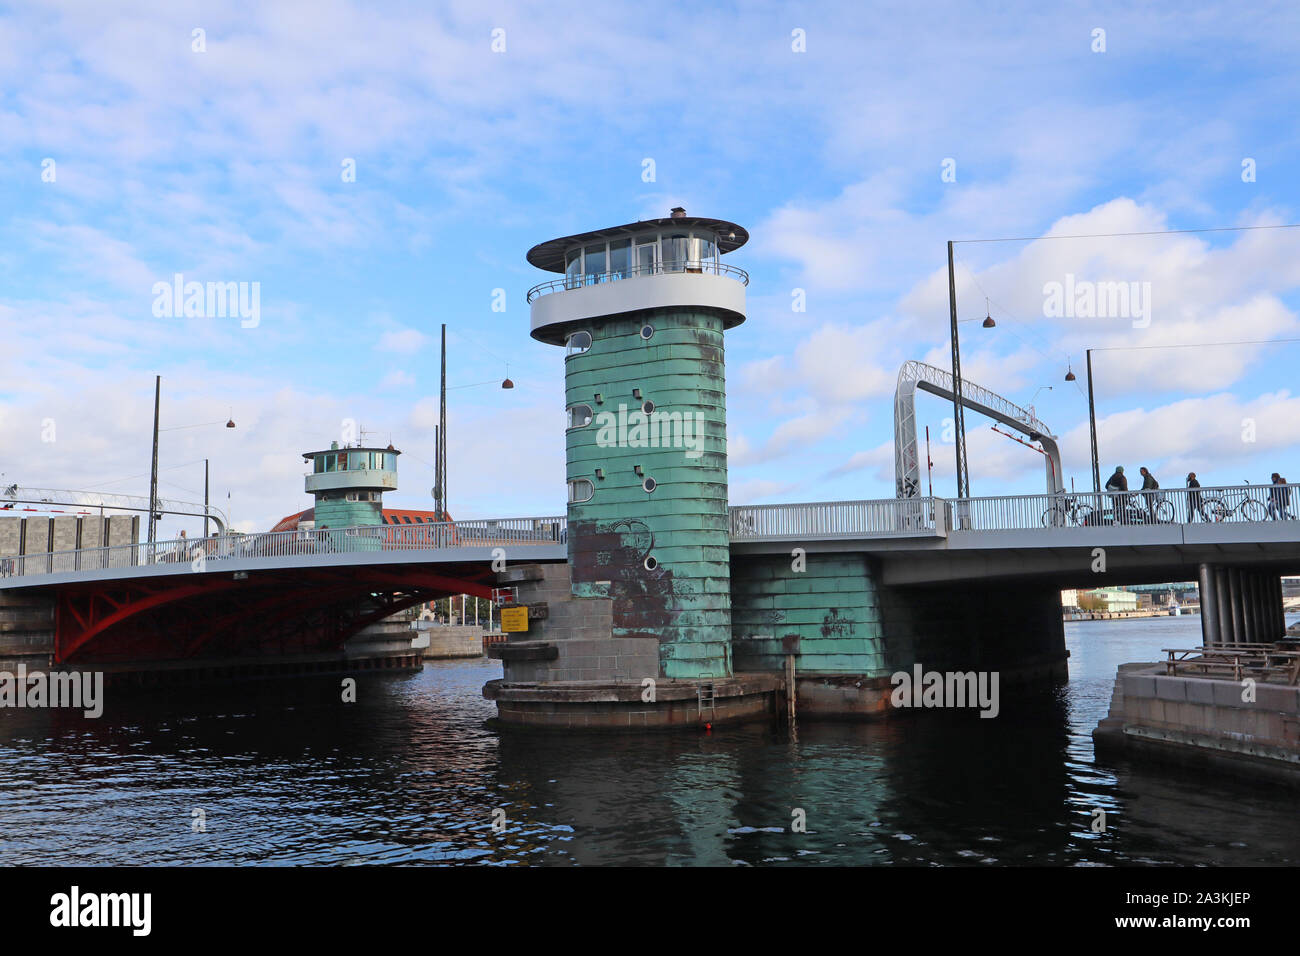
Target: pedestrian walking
x=1194, y=506
x=1279, y=498
x=1150, y=485
x=1115, y=483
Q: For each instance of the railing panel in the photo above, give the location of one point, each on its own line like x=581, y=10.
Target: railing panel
x=487, y=533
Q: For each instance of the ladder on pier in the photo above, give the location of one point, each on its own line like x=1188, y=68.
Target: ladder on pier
x=706, y=695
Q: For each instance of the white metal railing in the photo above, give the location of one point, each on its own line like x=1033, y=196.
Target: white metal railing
x=880, y=518
x=489, y=533
x=1164, y=506
x=912, y=516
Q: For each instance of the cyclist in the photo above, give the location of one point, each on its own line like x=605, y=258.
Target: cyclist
x=1279, y=497
x=1194, y=506
x=1117, y=482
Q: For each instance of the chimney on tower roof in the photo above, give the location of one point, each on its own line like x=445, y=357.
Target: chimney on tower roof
x=678, y=212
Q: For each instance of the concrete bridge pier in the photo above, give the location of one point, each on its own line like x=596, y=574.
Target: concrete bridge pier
x=1240, y=605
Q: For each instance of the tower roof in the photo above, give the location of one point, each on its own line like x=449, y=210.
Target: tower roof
x=549, y=255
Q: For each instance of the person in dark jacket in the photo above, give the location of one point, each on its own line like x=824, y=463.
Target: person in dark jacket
x=1194, y=506
x=1117, y=482
x=1279, y=497
x=1149, y=483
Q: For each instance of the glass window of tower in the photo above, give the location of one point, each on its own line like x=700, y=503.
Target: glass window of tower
x=580, y=489
x=577, y=343
x=647, y=254
x=674, y=253
x=579, y=416
x=707, y=250
x=572, y=268
x=595, y=262
x=618, y=257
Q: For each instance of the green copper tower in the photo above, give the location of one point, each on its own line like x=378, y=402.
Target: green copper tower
x=641, y=311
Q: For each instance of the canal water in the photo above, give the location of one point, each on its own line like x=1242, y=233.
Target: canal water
x=412, y=774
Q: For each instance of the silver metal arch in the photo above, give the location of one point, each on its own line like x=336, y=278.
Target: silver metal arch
x=937, y=381
x=14, y=494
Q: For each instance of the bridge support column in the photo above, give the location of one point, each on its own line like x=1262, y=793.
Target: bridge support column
x=1250, y=605
x=1237, y=589
x=1223, y=591
x=1279, y=612
x=1207, y=584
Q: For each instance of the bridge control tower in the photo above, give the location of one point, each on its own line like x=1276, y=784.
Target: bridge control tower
x=348, y=484
x=640, y=310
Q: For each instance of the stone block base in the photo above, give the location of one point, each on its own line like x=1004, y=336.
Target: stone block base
x=619, y=707
x=1203, y=722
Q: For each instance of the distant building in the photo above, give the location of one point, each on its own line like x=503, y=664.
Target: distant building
x=1111, y=599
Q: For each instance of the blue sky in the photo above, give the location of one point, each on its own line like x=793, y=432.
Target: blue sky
x=225, y=165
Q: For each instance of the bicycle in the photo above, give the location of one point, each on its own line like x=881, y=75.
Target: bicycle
x=1235, y=504
x=1138, y=508
x=1067, y=510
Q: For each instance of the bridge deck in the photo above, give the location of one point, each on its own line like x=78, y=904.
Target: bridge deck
x=1144, y=534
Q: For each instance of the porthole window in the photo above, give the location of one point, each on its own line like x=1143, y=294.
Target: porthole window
x=650, y=562
x=649, y=485
x=579, y=416
x=580, y=489
x=647, y=331
x=577, y=343
x=648, y=407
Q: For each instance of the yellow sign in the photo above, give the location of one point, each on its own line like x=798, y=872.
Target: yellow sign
x=514, y=619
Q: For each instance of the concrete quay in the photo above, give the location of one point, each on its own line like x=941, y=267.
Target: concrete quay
x=1204, y=722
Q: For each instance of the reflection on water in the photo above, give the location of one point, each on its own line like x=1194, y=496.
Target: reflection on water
x=412, y=773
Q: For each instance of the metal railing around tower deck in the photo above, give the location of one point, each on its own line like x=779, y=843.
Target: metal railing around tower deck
x=473, y=533
x=674, y=267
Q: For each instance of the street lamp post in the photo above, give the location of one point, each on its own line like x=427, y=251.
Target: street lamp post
x=958, y=409
x=153, y=471
x=1092, y=429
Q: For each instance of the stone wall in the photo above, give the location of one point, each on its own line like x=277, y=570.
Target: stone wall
x=448, y=641
x=26, y=628
x=1199, y=720
x=576, y=640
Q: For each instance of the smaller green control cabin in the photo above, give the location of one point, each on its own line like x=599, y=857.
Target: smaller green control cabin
x=348, y=484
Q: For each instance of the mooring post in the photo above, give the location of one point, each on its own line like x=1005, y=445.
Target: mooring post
x=790, y=648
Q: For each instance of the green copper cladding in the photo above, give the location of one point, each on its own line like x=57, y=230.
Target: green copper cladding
x=831, y=601
x=665, y=552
